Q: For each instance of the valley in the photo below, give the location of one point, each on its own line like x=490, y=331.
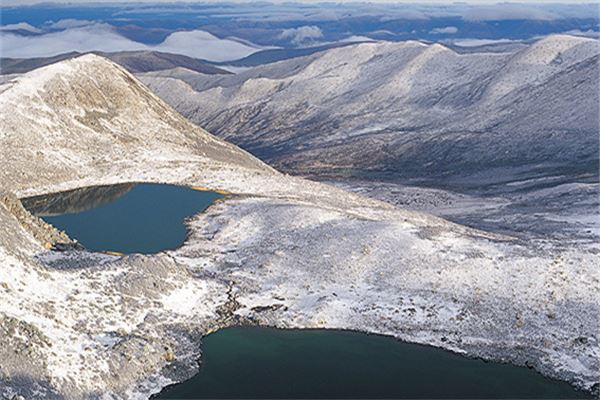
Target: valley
x=504, y=272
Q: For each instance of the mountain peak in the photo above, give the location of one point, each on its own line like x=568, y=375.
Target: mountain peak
x=555, y=48
x=104, y=113
x=73, y=69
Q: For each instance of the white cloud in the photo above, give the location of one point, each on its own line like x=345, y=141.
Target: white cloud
x=23, y=26
x=507, y=11
x=99, y=36
x=578, y=32
x=69, y=23
x=302, y=35
x=103, y=37
x=201, y=44
x=481, y=42
x=446, y=30
x=404, y=13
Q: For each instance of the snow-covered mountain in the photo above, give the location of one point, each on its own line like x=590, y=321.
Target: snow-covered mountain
x=93, y=104
x=409, y=109
x=133, y=61
x=79, y=324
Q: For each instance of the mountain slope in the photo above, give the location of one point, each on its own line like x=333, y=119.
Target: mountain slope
x=133, y=61
x=78, y=324
x=410, y=110
x=99, y=106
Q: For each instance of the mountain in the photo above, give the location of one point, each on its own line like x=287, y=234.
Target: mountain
x=101, y=109
x=133, y=61
x=145, y=61
x=274, y=55
x=410, y=110
x=279, y=251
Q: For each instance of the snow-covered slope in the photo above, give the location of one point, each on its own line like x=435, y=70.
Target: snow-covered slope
x=90, y=102
x=405, y=110
x=133, y=61
x=77, y=324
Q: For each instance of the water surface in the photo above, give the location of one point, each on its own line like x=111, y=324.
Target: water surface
x=250, y=362
x=127, y=218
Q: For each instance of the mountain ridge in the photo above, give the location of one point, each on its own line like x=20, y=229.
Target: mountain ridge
x=413, y=94
x=96, y=83
x=87, y=324
x=133, y=61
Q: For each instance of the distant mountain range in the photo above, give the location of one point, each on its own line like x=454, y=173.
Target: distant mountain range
x=134, y=61
x=408, y=110
x=274, y=55
x=148, y=61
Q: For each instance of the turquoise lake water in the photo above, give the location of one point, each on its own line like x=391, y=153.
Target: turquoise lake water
x=128, y=218
x=251, y=362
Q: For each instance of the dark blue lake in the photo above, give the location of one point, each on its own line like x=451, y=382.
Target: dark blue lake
x=251, y=362
x=127, y=218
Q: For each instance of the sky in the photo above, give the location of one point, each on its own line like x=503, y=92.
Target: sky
x=29, y=2
x=221, y=33
x=102, y=37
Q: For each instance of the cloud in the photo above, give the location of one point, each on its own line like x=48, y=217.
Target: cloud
x=481, y=42
x=404, y=13
x=22, y=26
x=578, y=32
x=445, y=30
x=68, y=23
x=302, y=35
x=356, y=38
x=507, y=11
x=99, y=36
x=103, y=37
x=201, y=44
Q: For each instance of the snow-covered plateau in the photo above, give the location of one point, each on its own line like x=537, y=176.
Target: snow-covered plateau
x=281, y=251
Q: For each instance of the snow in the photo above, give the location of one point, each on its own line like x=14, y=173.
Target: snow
x=97, y=36
x=191, y=300
x=283, y=243
x=407, y=109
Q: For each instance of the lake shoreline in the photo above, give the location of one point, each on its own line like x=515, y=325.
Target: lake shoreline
x=176, y=389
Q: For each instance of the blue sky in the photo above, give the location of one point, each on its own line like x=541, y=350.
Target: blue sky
x=232, y=31
x=28, y=2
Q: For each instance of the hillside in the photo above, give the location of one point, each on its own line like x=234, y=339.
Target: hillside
x=98, y=107
x=399, y=111
x=133, y=61
x=281, y=251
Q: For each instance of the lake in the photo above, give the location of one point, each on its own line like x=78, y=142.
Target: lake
x=126, y=218
x=253, y=362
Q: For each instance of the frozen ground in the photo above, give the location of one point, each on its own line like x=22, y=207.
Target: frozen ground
x=567, y=213
x=284, y=251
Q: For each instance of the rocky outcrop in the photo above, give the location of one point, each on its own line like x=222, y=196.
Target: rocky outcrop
x=47, y=235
